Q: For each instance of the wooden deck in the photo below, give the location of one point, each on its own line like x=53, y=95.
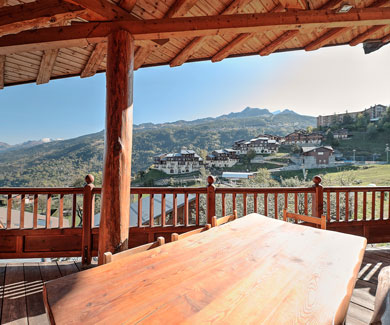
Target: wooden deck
x=21, y=288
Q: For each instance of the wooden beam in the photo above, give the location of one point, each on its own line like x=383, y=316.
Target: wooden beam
x=363, y=36
x=128, y=5
x=331, y=35
x=39, y=14
x=195, y=44
x=294, y=4
x=3, y=3
x=197, y=26
x=2, y=68
x=238, y=41
x=96, y=58
x=47, y=64
x=103, y=8
x=115, y=207
x=178, y=9
x=274, y=45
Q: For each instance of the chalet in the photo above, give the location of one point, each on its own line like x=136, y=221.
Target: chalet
x=317, y=157
x=374, y=112
x=302, y=137
x=222, y=158
x=340, y=134
x=187, y=161
x=259, y=145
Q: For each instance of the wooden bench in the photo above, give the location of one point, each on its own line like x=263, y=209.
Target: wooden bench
x=109, y=257
x=317, y=221
x=176, y=236
x=217, y=222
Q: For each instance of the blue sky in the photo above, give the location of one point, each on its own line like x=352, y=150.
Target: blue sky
x=321, y=82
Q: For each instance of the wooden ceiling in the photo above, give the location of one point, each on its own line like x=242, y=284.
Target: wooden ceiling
x=49, y=39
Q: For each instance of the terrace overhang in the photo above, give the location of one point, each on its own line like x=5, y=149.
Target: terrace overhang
x=49, y=39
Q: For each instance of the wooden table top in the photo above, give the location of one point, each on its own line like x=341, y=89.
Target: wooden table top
x=252, y=270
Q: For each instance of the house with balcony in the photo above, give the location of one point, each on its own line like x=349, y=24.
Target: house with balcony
x=302, y=137
x=222, y=158
x=260, y=145
x=317, y=157
x=186, y=161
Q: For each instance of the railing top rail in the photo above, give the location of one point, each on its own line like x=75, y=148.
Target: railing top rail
x=239, y=190
x=162, y=190
x=356, y=188
x=41, y=190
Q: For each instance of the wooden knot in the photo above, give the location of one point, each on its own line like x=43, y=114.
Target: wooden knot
x=89, y=179
x=210, y=180
x=317, y=180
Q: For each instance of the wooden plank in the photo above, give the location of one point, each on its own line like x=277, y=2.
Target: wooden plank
x=355, y=203
x=364, y=205
x=74, y=212
x=22, y=208
x=14, y=301
x=294, y=4
x=61, y=212
x=9, y=211
x=48, y=211
x=105, y=9
x=346, y=206
x=174, y=209
x=364, y=36
x=49, y=271
x=255, y=203
x=382, y=205
x=197, y=208
x=47, y=64
x=223, y=203
x=265, y=204
x=373, y=199
x=163, y=210
x=36, y=312
x=151, y=210
x=328, y=207
x=186, y=210
x=244, y=201
x=288, y=269
x=95, y=60
x=2, y=279
x=337, y=206
x=115, y=206
x=140, y=210
x=277, y=43
x=276, y=206
x=67, y=267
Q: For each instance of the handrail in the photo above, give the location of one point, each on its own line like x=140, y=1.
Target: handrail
x=182, y=208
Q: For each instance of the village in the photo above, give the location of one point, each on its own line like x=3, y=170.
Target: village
x=299, y=150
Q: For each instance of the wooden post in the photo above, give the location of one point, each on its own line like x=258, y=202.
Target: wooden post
x=115, y=209
x=210, y=199
x=88, y=202
x=318, y=198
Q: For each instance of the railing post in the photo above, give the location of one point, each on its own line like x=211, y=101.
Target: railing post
x=210, y=199
x=318, y=197
x=86, y=251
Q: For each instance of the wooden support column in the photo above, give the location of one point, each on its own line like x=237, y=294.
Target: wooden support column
x=115, y=208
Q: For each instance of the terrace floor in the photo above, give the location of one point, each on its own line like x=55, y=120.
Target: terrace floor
x=21, y=288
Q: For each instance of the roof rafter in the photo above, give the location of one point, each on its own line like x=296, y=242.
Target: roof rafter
x=238, y=41
x=386, y=39
x=47, y=64
x=178, y=9
x=363, y=36
x=198, y=26
x=195, y=44
x=289, y=35
x=294, y=4
x=39, y=14
x=95, y=59
x=332, y=34
x=103, y=8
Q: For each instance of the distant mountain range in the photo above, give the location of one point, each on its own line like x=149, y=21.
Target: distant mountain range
x=51, y=162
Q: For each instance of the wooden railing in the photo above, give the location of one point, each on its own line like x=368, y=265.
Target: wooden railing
x=63, y=222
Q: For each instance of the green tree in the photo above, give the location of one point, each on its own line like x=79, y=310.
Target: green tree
x=371, y=130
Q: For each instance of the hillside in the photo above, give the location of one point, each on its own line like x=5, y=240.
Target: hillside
x=61, y=163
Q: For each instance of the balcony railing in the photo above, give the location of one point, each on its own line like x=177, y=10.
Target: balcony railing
x=63, y=222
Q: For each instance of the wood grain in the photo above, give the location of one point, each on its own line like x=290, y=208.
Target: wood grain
x=254, y=268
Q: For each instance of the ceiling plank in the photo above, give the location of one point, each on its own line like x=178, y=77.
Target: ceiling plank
x=199, y=26
x=363, y=36
x=274, y=45
x=386, y=39
x=96, y=58
x=195, y=44
x=294, y=4
x=128, y=5
x=331, y=35
x=2, y=68
x=103, y=8
x=178, y=9
x=47, y=64
x=238, y=41
x=39, y=14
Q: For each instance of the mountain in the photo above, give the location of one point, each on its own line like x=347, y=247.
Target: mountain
x=25, y=145
x=62, y=163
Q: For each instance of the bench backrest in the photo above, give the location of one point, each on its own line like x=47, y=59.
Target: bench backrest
x=176, y=236
x=109, y=257
x=217, y=222
x=317, y=221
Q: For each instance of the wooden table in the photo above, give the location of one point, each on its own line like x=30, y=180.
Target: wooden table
x=252, y=270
